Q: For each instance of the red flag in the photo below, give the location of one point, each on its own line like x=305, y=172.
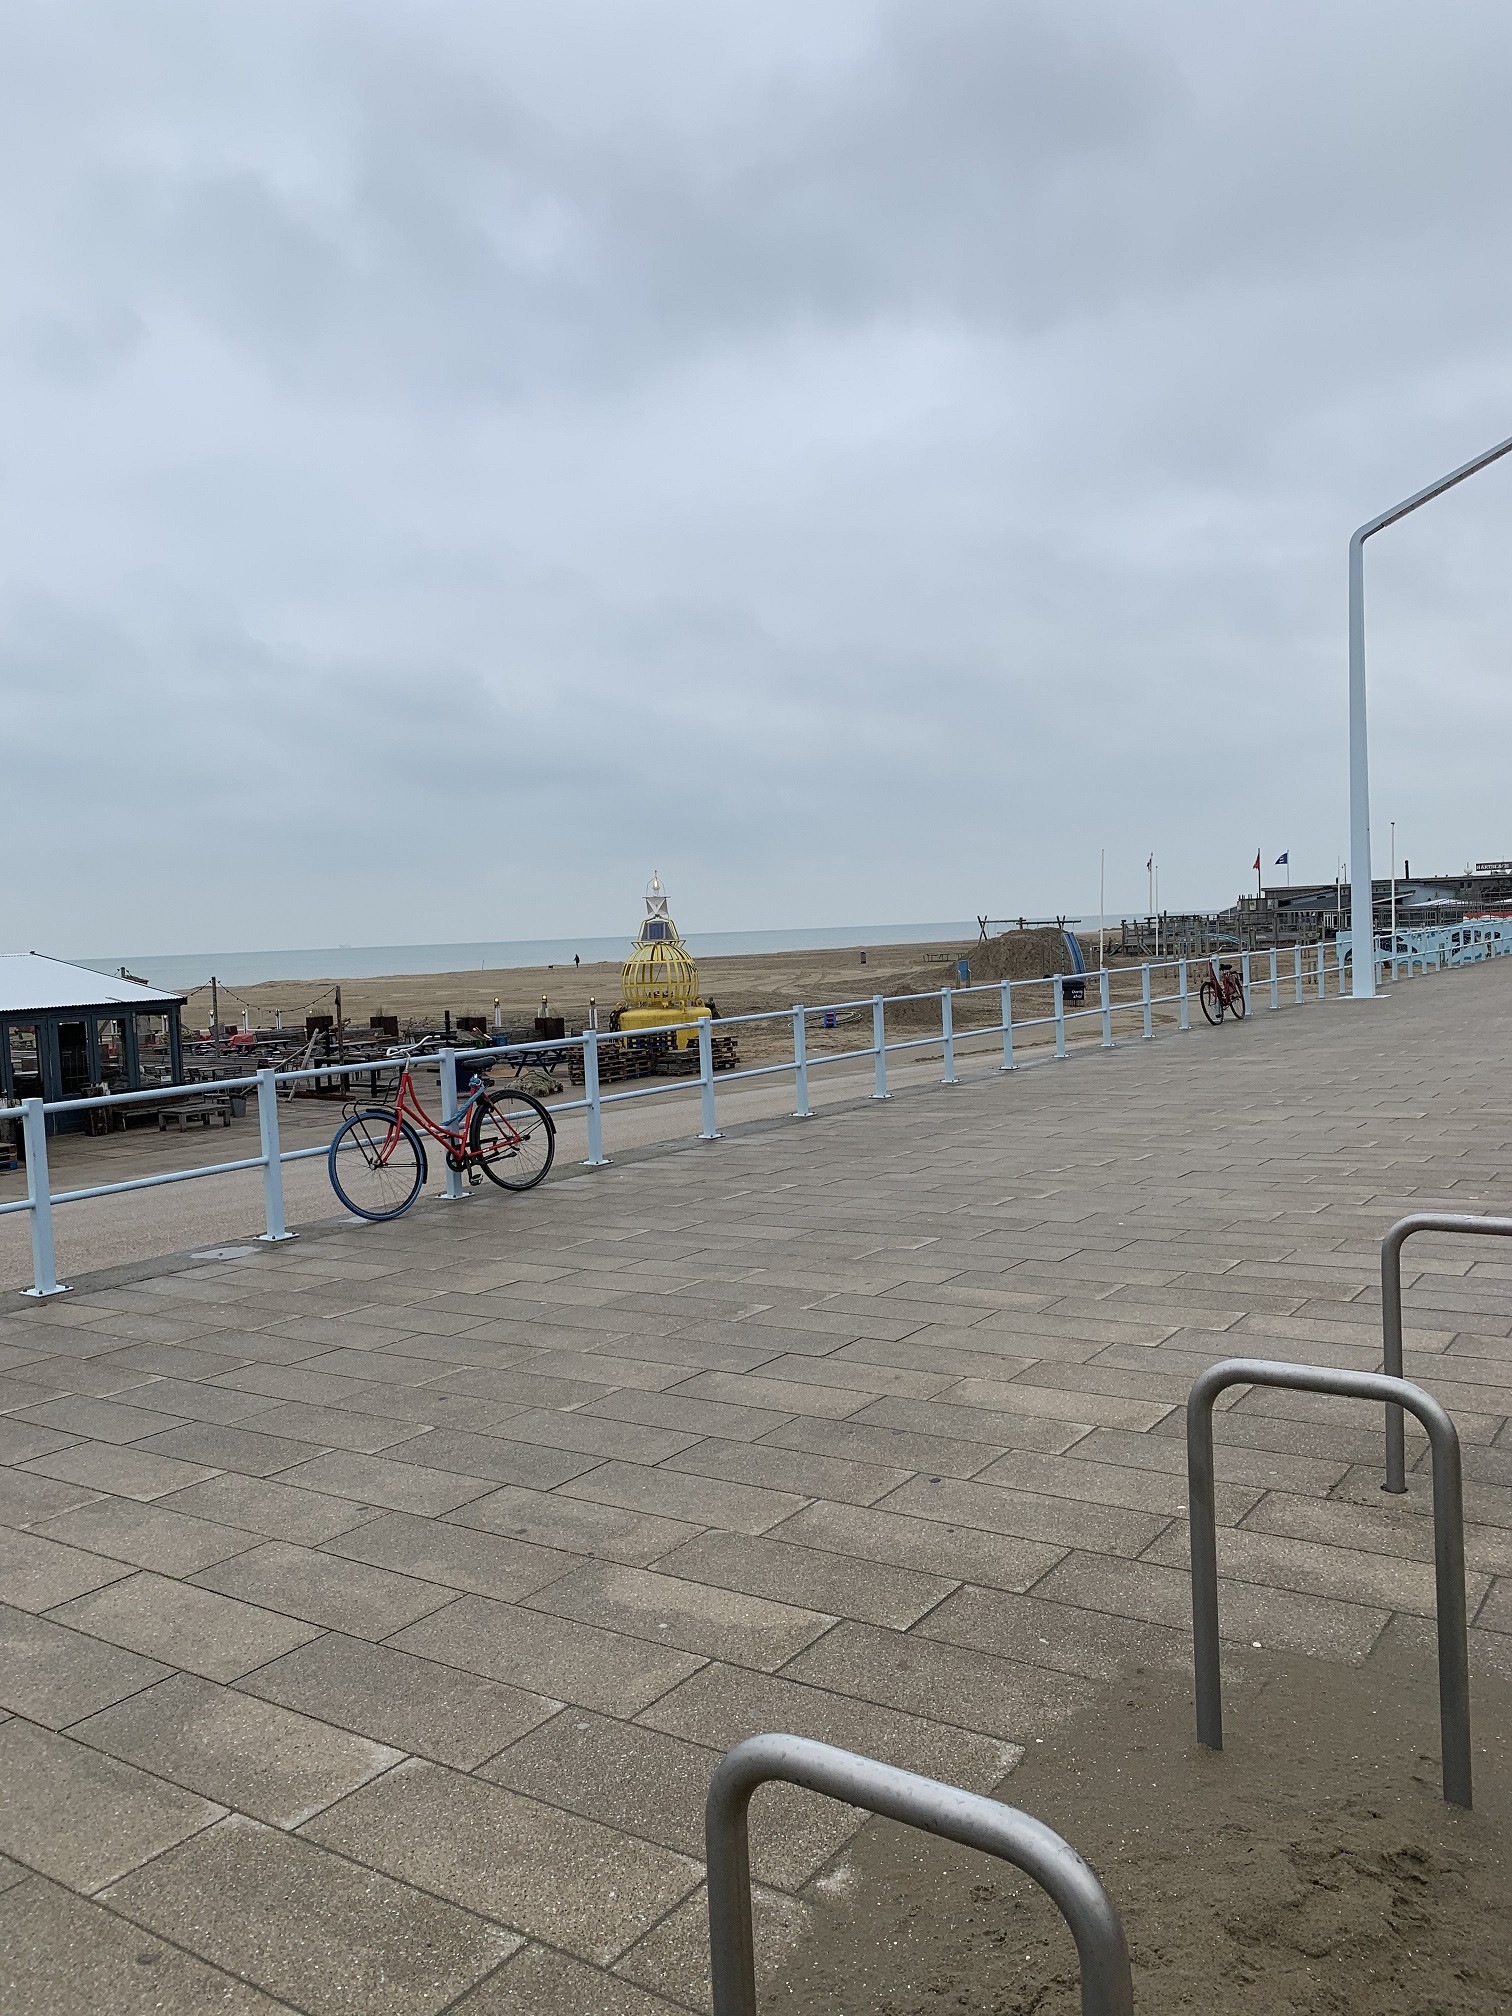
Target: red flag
x=1257, y=860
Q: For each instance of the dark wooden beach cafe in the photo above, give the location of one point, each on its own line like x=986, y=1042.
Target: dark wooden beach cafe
x=67, y=1031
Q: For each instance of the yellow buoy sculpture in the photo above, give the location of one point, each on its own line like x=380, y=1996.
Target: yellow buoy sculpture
x=659, y=981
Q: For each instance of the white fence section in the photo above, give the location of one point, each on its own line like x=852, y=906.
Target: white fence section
x=1286, y=976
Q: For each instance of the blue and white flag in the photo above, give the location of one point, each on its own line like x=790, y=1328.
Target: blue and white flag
x=1282, y=859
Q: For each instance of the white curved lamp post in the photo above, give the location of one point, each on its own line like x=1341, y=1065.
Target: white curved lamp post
x=1361, y=902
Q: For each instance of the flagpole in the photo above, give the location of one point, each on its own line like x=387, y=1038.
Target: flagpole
x=1102, y=905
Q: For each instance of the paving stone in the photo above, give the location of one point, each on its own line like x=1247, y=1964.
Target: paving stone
x=224, y=1446
x=241, y=1752
x=931, y=1546
x=330, y=1427
x=197, y=1629
x=279, y=1511
x=789, y=1470
x=721, y=1705
x=108, y=1466
x=350, y=1596
x=1061, y=1522
x=148, y=1536
x=684, y=1414
x=539, y=1982
x=492, y=1456
x=1055, y=1635
x=654, y=1785
x=555, y=1875
x=307, y=1926
x=399, y=1699
x=700, y=1501
x=99, y=1420
x=20, y=1440
x=550, y=1520
x=840, y=1585
x=674, y=1955
x=112, y=1966
x=378, y=1480
x=488, y=1564
x=25, y=1499
x=1387, y=1581
x=721, y=1623
x=924, y=1677
x=588, y=1435
x=53, y=1675
x=555, y=1656
x=83, y=1818
x=37, y=1573
x=1279, y=1618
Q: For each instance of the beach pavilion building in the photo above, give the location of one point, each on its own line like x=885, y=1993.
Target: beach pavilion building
x=64, y=1027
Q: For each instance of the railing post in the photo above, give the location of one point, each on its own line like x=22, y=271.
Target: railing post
x=39, y=1196
x=706, y=1078
x=1244, y=979
x=1322, y=970
x=1181, y=970
x=947, y=1034
x=1275, y=978
x=274, y=1229
x=1297, y=962
x=1060, y=1016
x=879, y=1047
x=596, y=1155
x=1007, y=994
x=1144, y=1002
x=801, y=1108
x=1107, y=1007
x=456, y=1190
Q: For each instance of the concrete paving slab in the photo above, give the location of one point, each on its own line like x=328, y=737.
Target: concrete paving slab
x=400, y=1700
x=319, y=1931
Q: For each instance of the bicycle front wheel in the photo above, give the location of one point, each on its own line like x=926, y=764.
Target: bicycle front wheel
x=1236, y=1003
x=512, y=1138
x=1212, y=1002
x=377, y=1165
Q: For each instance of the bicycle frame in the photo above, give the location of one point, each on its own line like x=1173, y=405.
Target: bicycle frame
x=452, y=1133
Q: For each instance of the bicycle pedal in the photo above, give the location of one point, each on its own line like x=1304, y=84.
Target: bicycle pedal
x=475, y=1178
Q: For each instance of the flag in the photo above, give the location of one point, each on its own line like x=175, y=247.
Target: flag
x=1282, y=860
x=1257, y=860
x=1149, y=864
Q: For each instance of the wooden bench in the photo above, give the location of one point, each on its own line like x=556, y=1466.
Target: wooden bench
x=204, y=1107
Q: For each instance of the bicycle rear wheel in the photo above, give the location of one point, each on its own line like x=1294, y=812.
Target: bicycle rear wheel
x=512, y=1138
x=1236, y=1002
x=377, y=1165
x=1212, y=1002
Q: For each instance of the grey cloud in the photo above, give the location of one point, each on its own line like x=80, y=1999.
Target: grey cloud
x=862, y=459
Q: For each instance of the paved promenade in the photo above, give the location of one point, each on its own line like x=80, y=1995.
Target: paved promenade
x=376, y=1608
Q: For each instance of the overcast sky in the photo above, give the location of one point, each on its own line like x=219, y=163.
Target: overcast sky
x=860, y=459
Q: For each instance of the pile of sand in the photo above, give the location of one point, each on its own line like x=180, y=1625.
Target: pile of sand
x=1310, y=1869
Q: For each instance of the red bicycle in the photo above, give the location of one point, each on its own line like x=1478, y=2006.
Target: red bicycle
x=377, y=1158
x=1222, y=989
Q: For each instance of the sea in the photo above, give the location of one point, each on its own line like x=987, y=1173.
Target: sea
x=180, y=970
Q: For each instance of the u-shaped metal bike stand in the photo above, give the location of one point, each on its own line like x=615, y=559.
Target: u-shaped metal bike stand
x=1448, y=1541
x=1391, y=1313
x=1106, y=1987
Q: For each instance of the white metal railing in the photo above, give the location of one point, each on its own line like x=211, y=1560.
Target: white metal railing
x=1309, y=970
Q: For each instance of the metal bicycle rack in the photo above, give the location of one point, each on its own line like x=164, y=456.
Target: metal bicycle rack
x=1106, y=1986
x=1448, y=1541
x=1391, y=1313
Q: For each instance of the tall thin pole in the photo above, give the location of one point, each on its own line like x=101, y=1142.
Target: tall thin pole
x=1102, y=905
x=1394, y=888
x=1362, y=900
